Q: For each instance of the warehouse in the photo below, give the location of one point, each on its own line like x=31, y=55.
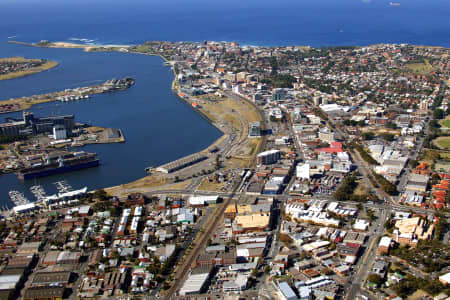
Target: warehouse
x=51, y=278
x=44, y=292
x=8, y=285
x=68, y=258
x=181, y=163
x=285, y=291
x=29, y=247
x=21, y=209
x=196, y=282
x=199, y=201
x=50, y=258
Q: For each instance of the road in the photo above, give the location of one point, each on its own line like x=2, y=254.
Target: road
x=365, y=263
x=201, y=240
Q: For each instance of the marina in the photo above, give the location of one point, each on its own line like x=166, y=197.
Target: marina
x=65, y=195
x=18, y=198
x=39, y=192
x=63, y=186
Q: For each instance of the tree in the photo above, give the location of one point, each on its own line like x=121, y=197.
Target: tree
x=254, y=272
x=438, y=114
x=375, y=278
x=101, y=194
x=413, y=163
x=388, y=137
x=368, y=136
x=218, y=164
x=370, y=214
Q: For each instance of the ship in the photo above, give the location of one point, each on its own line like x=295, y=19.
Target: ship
x=61, y=164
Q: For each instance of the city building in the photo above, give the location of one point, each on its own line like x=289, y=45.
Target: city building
x=384, y=245
x=268, y=157
x=254, y=129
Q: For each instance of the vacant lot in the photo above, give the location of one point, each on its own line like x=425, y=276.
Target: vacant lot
x=361, y=189
x=207, y=185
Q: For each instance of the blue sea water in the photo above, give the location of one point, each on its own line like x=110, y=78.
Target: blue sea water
x=157, y=125
x=256, y=22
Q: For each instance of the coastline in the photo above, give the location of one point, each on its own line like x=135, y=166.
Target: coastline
x=185, y=101
x=47, y=65
x=88, y=48
x=67, y=45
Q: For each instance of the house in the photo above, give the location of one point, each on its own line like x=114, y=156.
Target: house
x=379, y=268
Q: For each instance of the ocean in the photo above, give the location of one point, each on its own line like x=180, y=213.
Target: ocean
x=270, y=23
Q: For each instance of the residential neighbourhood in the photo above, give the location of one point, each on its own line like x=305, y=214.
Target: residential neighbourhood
x=330, y=182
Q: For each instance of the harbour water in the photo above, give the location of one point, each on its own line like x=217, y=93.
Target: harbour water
x=158, y=126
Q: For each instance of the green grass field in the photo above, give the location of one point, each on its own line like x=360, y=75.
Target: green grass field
x=442, y=166
x=444, y=143
x=445, y=156
x=420, y=68
x=445, y=123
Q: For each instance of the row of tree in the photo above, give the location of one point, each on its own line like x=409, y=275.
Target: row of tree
x=385, y=184
x=366, y=156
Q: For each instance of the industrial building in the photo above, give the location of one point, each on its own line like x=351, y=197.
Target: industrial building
x=31, y=125
x=285, y=292
x=200, y=201
x=197, y=281
x=51, y=278
x=44, y=292
x=59, y=132
x=8, y=285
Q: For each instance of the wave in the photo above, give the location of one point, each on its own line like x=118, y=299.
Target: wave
x=13, y=36
x=83, y=40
